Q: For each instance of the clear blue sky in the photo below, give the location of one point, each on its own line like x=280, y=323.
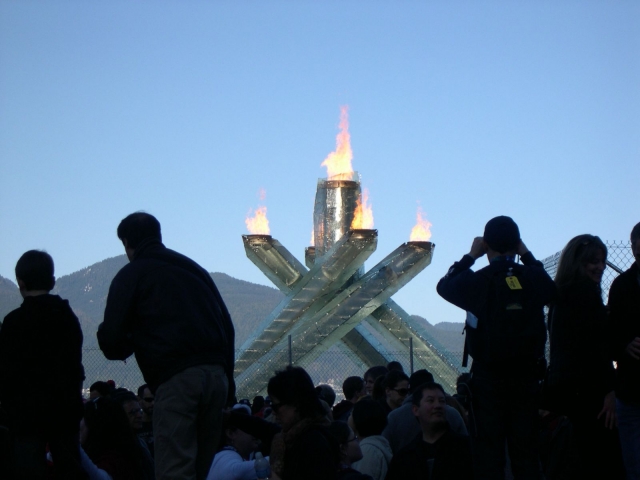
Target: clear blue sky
x=186, y=109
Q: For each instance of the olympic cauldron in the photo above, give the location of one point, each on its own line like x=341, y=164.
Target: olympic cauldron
x=334, y=300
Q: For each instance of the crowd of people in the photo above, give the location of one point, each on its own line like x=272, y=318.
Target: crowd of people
x=514, y=415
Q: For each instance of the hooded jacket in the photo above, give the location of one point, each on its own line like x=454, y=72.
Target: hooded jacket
x=41, y=354
x=376, y=456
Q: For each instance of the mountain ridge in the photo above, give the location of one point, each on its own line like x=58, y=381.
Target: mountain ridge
x=248, y=304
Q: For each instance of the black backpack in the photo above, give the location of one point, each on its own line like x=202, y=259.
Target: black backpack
x=510, y=332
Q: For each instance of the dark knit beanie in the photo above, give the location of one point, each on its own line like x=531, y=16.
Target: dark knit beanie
x=502, y=234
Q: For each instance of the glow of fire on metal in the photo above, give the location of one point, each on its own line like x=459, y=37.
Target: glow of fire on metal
x=363, y=215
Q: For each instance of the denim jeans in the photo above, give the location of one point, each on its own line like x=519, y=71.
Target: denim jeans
x=629, y=431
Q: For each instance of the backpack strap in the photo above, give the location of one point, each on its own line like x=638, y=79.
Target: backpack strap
x=465, y=352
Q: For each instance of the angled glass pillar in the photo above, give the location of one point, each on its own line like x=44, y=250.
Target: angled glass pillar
x=310, y=293
x=349, y=307
x=269, y=256
x=275, y=261
x=366, y=346
x=393, y=322
x=316, y=331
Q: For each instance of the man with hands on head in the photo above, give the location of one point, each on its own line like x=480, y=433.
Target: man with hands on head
x=505, y=336
x=479, y=248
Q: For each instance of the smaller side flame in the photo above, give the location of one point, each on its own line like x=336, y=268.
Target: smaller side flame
x=421, y=231
x=363, y=215
x=258, y=223
x=312, y=242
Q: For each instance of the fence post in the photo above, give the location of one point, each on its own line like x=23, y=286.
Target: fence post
x=411, y=354
x=290, y=352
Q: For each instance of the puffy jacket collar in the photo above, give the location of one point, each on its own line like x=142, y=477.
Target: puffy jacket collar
x=147, y=245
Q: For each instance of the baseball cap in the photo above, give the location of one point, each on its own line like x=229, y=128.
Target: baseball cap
x=502, y=234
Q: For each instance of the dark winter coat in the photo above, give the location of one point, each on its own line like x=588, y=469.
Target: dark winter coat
x=41, y=369
x=166, y=309
x=313, y=456
x=451, y=455
x=624, y=305
x=580, y=348
x=470, y=291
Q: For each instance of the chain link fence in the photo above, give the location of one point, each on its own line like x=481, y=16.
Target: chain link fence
x=619, y=259
x=337, y=363
x=332, y=367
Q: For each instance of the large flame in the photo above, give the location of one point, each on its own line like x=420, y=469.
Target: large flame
x=338, y=163
x=363, y=215
x=421, y=231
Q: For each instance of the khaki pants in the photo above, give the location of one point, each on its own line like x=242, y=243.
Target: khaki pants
x=187, y=422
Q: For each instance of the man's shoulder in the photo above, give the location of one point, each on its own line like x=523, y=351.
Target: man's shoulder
x=415, y=448
x=456, y=438
x=533, y=273
x=161, y=255
x=403, y=412
x=147, y=261
x=128, y=270
x=416, y=444
x=536, y=272
x=626, y=279
x=42, y=304
x=377, y=442
x=11, y=317
x=43, y=318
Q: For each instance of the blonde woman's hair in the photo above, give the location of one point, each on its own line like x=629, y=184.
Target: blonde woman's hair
x=579, y=251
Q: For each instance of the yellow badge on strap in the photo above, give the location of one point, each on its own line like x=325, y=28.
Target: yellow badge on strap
x=513, y=283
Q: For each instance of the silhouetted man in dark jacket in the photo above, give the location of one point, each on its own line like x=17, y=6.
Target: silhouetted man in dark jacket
x=166, y=309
